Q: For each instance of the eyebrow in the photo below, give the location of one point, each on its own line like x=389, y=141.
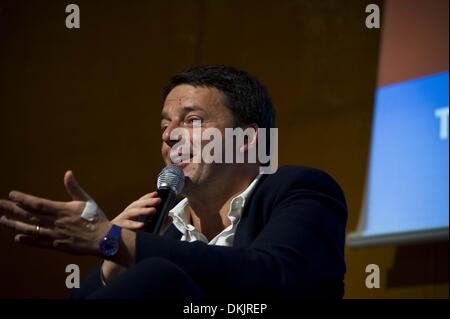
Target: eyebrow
x=185, y=110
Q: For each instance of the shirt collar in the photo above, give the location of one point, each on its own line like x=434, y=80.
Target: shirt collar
x=181, y=218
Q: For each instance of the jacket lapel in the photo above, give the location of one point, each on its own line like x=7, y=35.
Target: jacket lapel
x=172, y=232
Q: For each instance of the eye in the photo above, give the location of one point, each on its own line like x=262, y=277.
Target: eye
x=190, y=120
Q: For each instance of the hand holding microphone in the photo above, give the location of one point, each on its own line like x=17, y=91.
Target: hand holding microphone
x=149, y=211
x=132, y=216
x=170, y=183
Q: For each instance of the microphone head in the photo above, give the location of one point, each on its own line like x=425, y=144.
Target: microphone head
x=171, y=177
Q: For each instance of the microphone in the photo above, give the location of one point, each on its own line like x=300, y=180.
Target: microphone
x=169, y=184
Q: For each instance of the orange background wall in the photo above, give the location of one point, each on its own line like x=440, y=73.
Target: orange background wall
x=89, y=100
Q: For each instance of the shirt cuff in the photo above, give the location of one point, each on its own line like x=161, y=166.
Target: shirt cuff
x=102, y=278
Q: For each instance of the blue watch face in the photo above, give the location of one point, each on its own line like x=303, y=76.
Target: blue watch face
x=109, y=247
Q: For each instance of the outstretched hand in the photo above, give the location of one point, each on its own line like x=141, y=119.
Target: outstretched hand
x=52, y=224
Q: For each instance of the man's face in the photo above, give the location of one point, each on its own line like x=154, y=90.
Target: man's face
x=184, y=105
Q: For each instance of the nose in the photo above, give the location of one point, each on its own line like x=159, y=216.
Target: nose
x=166, y=135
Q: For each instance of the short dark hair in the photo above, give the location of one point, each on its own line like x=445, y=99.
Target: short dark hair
x=245, y=96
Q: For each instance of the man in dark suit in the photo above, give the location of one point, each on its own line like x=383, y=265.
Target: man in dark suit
x=236, y=233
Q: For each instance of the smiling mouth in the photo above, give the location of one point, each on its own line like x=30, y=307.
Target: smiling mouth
x=180, y=164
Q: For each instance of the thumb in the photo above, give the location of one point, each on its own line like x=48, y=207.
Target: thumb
x=74, y=189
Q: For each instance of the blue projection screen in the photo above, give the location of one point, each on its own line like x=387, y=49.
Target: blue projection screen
x=407, y=187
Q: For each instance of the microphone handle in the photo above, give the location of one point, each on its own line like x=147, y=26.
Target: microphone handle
x=154, y=223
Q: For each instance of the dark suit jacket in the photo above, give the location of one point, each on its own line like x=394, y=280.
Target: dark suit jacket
x=288, y=243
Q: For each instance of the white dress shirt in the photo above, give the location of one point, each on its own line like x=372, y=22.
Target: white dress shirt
x=181, y=220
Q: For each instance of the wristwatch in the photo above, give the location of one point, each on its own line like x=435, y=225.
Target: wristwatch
x=109, y=245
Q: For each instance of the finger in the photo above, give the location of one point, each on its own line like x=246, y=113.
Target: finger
x=137, y=211
x=12, y=209
x=74, y=189
x=136, y=203
x=149, y=195
x=139, y=215
x=25, y=228
x=31, y=240
x=129, y=224
x=38, y=205
x=150, y=202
